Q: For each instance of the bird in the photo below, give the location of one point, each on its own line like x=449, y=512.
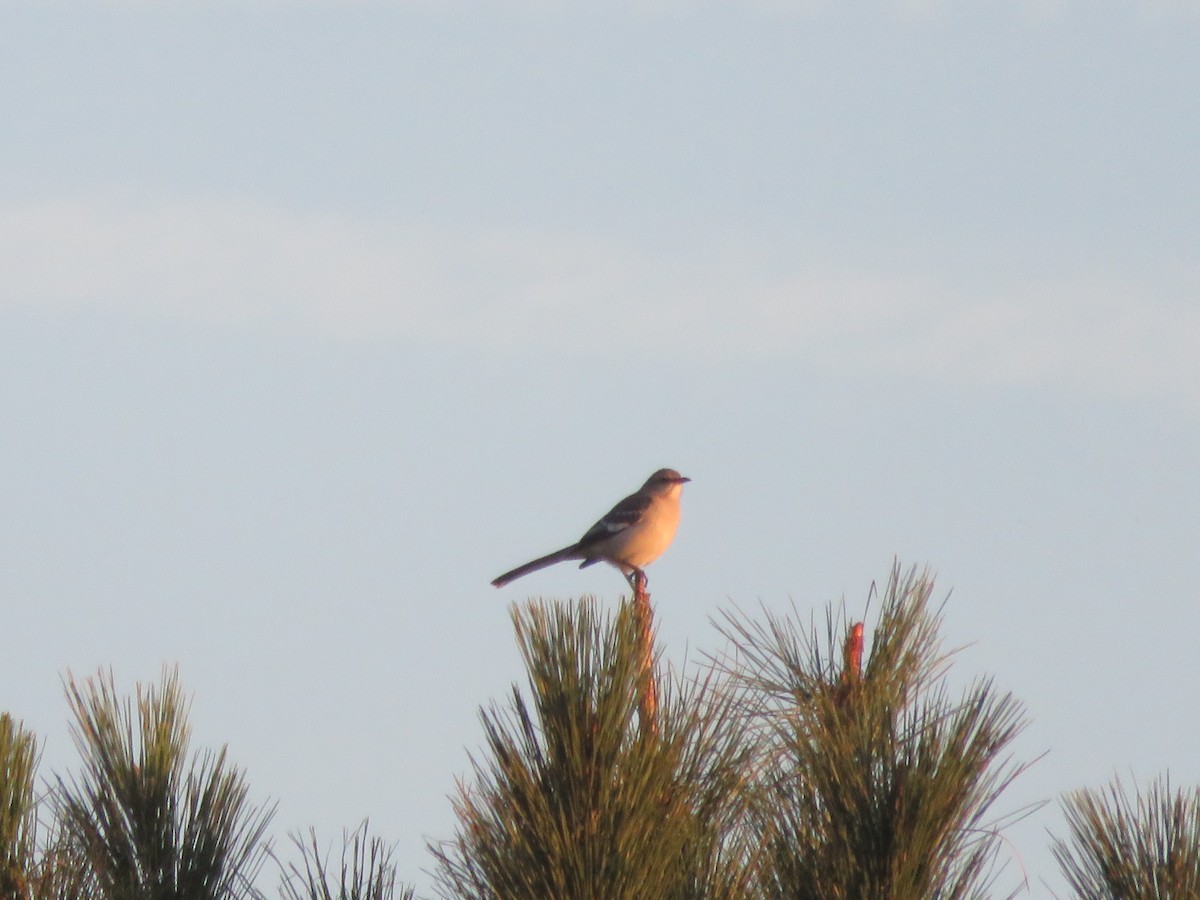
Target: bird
x=630, y=536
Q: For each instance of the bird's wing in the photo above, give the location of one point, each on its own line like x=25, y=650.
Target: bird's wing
x=617, y=519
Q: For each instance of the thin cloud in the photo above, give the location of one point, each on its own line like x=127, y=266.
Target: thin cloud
x=240, y=265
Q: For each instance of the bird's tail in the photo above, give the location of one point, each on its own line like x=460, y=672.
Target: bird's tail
x=541, y=562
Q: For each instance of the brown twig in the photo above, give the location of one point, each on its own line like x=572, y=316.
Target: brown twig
x=648, y=694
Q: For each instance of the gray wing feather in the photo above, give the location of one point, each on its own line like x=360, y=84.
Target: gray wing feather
x=620, y=517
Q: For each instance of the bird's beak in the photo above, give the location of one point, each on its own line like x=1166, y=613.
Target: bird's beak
x=683, y=479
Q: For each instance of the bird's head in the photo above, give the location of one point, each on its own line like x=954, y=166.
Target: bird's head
x=665, y=481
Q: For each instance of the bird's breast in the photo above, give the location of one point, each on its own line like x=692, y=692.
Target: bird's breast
x=647, y=541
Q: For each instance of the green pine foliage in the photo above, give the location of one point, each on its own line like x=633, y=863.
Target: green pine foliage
x=61, y=870
x=149, y=821
x=792, y=766
x=871, y=785
x=577, y=798
x=1139, y=847
x=18, y=816
x=366, y=870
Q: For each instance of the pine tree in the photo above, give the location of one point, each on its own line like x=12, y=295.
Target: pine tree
x=578, y=798
x=1139, y=847
x=871, y=783
x=18, y=816
x=366, y=870
x=150, y=823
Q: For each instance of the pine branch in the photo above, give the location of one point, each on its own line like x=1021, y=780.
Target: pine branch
x=874, y=784
x=18, y=818
x=572, y=799
x=365, y=871
x=1132, y=847
x=149, y=821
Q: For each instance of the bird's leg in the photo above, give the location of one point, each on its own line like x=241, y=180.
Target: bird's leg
x=638, y=580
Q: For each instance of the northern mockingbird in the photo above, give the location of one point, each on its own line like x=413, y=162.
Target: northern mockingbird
x=631, y=535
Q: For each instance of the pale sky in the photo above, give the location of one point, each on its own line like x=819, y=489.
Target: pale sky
x=316, y=316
